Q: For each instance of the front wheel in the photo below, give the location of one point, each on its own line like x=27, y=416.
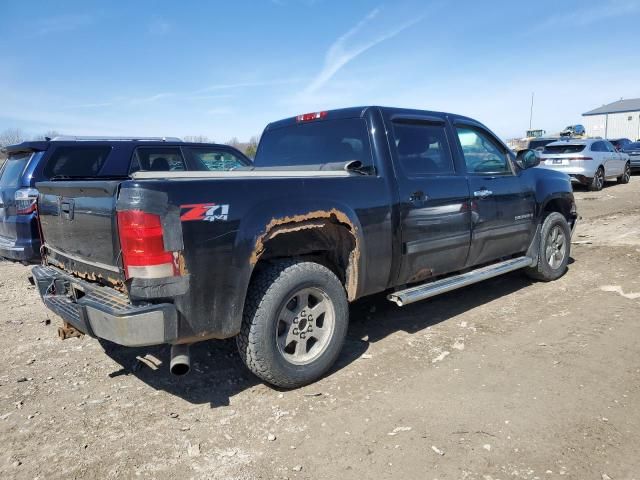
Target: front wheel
x=554, y=251
x=626, y=176
x=294, y=323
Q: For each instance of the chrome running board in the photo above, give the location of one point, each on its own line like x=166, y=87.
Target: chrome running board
x=431, y=289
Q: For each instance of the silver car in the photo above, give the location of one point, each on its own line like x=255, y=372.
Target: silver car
x=589, y=162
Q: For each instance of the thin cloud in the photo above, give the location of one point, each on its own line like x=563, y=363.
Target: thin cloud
x=60, y=23
x=91, y=105
x=341, y=53
x=210, y=97
x=159, y=26
x=583, y=17
x=151, y=99
x=232, y=86
x=282, y=3
x=219, y=111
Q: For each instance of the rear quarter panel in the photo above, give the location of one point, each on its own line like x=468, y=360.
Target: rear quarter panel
x=220, y=252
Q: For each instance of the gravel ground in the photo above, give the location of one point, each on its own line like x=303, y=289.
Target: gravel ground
x=507, y=379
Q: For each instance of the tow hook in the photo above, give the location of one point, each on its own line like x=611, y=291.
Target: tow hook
x=68, y=331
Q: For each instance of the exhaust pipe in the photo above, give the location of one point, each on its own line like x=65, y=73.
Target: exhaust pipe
x=180, y=360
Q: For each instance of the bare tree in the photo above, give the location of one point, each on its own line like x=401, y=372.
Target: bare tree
x=235, y=143
x=197, y=139
x=252, y=146
x=10, y=136
x=48, y=134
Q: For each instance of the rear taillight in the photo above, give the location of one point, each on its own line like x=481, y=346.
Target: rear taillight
x=142, y=244
x=580, y=158
x=26, y=199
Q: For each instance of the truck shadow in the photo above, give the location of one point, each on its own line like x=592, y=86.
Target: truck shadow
x=218, y=373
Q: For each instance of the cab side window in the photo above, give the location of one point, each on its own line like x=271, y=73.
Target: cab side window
x=157, y=159
x=422, y=148
x=482, y=154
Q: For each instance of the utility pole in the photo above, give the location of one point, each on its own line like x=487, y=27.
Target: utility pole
x=531, y=113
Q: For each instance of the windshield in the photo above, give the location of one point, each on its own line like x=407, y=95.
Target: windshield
x=315, y=143
x=553, y=149
x=12, y=171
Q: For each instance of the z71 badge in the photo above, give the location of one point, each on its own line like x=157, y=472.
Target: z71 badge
x=207, y=212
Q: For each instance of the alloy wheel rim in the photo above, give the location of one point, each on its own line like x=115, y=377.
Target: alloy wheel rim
x=556, y=248
x=305, y=325
x=627, y=173
x=599, y=179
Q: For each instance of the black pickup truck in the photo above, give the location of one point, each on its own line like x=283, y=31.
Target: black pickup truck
x=337, y=206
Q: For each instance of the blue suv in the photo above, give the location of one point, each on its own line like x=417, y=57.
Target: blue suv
x=65, y=158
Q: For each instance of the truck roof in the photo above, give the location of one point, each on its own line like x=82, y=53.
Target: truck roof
x=359, y=112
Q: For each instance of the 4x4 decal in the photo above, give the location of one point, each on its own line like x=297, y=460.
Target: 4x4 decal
x=207, y=212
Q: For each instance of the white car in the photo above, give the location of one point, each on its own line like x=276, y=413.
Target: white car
x=588, y=162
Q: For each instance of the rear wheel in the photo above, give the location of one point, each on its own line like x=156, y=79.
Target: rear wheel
x=626, y=176
x=554, y=251
x=294, y=324
x=597, y=182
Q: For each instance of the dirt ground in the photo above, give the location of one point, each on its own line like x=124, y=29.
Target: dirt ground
x=507, y=379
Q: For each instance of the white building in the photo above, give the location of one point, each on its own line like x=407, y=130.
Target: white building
x=619, y=119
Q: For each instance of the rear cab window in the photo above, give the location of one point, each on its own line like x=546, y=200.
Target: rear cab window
x=315, y=143
x=157, y=159
x=76, y=161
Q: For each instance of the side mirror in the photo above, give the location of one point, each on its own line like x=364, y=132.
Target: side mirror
x=528, y=158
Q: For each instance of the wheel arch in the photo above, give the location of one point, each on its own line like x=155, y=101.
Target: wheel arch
x=328, y=237
x=563, y=203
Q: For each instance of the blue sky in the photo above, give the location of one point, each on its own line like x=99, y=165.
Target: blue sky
x=226, y=68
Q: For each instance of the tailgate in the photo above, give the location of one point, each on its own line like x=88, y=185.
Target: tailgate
x=79, y=228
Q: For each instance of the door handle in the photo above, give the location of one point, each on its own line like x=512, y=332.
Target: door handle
x=418, y=198
x=484, y=193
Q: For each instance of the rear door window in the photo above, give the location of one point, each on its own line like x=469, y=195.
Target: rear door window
x=157, y=159
x=315, y=143
x=76, y=161
x=422, y=148
x=11, y=173
x=214, y=159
